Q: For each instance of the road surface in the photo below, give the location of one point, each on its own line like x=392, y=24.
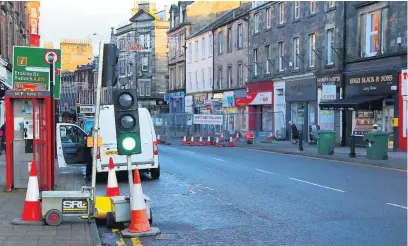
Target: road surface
x=231, y=196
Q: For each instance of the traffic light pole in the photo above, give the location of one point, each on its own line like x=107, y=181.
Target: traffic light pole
x=130, y=176
x=96, y=123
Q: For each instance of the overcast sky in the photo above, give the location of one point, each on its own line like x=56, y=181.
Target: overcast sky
x=79, y=19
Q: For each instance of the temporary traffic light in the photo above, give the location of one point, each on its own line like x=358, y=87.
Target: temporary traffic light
x=127, y=122
x=110, y=60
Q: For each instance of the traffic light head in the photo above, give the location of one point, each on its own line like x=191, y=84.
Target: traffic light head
x=110, y=61
x=127, y=122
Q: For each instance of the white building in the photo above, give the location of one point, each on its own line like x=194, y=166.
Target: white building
x=199, y=68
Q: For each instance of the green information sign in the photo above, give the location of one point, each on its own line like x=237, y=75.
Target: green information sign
x=31, y=69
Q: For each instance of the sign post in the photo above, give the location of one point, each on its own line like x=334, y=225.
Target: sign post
x=31, y=69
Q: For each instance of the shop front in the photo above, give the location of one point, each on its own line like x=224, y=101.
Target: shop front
x=329, y=88
x=403, y=111
x=371, y=98
x=235, y=115
x=301, y=105
x=199, y=100
x=217, y=103
x=176, y=101
x=259, y=100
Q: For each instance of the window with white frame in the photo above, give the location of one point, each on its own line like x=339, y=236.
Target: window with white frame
x=210, y=44
x=240, y=36
x=268, y=18
x=219, y=43
x=332, y=4
x=181, y=77
x=183, y=43
x=256, y=23
x=148, y=88
x=210, y=76
x=219, y=84
x=240, y=73
x=145, y=64
x=190, y=81
x=196, y=50
x=144, y=40
x=312, y=45
x=280, y=55
x=229, y=39
x=256, y=71
x=203, y=78
x=296, y=9
x=267, y=63
x=203, y=48
x=229, y=76
x=313, y=6
x=180, y=14
x=372, y=36
x=190, y=52
x=281, y=12
x=330, y=46
x=296, y=50
x=196, y=79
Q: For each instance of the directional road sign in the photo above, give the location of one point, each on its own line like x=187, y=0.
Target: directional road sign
x=31, y=69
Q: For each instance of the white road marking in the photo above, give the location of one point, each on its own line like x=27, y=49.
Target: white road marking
x=219, y=159
x=396, y=205
x=260, y=170
x=208, y=188
x=322, y=186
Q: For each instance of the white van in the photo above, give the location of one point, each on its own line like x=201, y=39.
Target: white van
x=72, y=149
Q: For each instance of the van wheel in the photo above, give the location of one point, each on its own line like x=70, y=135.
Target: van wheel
x=155, y=173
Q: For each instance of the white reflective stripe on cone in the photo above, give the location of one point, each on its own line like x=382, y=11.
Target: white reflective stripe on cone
x=112, y=181
x=33, y=194
x=138, y=202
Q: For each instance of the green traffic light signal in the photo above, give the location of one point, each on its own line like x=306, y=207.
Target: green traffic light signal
x=128, y=144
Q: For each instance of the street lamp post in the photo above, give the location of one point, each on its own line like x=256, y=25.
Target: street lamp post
x=51, y=60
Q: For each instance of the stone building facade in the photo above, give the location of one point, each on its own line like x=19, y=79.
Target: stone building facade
x=292, y=45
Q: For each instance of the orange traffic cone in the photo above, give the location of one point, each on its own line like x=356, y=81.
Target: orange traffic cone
x=270, y=136
x=192, y=143
x=185, y=139
x=222, y=137
x=112, y=189
x=32, y=206
x=139, y=221
x=230, y=144
x=208, y=140
x=200, y=143
x=158, y=138
x=237, y=137
x=217, y=142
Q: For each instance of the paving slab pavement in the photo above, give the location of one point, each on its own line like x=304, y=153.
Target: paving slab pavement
x=74, y=232
x=396, y=159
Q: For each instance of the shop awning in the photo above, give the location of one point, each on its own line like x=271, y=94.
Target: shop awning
x=353, y=103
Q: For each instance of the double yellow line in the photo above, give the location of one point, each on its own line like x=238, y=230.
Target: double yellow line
x=135, y=240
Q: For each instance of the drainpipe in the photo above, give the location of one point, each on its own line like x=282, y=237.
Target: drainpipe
x=345, y=113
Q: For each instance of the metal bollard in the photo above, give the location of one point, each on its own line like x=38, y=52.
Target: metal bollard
x=300, y=142
x=352, y=153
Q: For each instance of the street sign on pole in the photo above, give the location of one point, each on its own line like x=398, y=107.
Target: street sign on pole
x=31, y=69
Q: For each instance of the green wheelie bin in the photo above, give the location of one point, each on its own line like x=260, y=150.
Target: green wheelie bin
x=325, y=142
x=377, y=145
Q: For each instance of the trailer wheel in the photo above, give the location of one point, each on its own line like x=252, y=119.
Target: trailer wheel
x=110, y=220
x=53, y=217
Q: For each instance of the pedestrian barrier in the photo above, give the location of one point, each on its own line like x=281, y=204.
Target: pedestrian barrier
x=139, y=221
x=32, y=206
x=112, y=188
